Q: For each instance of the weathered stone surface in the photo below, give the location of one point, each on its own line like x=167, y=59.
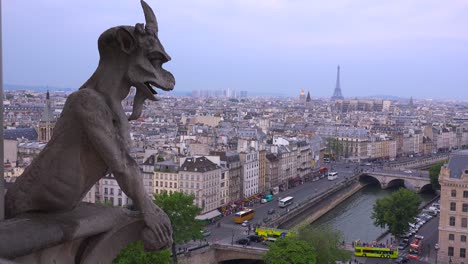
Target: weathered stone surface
x=87, y=234
x=91, y=139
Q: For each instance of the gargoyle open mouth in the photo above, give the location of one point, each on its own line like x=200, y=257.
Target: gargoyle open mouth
x=150, y=86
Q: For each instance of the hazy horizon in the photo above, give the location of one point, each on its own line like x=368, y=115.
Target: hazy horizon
x=398, y=48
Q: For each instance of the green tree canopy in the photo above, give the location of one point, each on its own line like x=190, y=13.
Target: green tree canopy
x=182, y=212
x=434, y=172
x=135, y=254
x=396, y=211
x=290, y=250
x=327, y=243
x=335, y=146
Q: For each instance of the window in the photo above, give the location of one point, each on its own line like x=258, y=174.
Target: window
x=111, y=190
x=454, y=193
x=465, y=207
x=464, y=223
x=463, y=238
x=453, y=206
x=156, y=184
x=451, y=237
x=120, y=201
x=170, y=185
x=175, y=185
x=465, y=194
x=105, y=190
x=462, y=252
x=450, y=251
x=452, y=221
x=120, y=192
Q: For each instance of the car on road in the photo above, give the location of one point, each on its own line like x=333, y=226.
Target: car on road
x=205, y=232
x=408, y=171
x=255, y=238
x=402, y=259
x=243, y=241
x=403, y=244
x=245, y=223
x=271, y=211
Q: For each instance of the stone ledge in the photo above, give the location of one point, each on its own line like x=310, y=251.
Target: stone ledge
x=88, y=234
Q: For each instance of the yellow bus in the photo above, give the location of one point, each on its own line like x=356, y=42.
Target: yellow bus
x=375, y=252
x=266, y=232
x=241, y=216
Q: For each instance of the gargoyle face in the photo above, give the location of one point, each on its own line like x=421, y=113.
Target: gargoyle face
x=149, y=57
x=146, y=55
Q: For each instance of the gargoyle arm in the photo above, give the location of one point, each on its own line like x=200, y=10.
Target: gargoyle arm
x=97, y=121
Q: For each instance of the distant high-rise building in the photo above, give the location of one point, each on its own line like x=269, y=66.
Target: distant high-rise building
x=411, y=103
x=337, y=93
x=243, y=94
x=302, y=95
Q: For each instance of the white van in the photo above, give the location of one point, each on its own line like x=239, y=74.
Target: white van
x=332, y=175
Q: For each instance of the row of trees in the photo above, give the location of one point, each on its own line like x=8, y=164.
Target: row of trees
x=310, y=246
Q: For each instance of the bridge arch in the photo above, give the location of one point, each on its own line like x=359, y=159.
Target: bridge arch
x=395, y=183
x=426, y=188
x=369, y=179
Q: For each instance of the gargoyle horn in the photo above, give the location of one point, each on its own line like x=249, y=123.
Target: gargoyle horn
x=151, y=23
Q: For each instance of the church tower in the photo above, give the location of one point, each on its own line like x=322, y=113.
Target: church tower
x=47, y=122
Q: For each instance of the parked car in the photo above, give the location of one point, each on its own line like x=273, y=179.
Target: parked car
x=205, y=232
x=403, y=244
x=243, y=241
x=271, y=211
x=255, y=238
x=402, y=259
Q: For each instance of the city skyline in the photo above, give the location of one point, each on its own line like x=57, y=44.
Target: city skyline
x=402, y=49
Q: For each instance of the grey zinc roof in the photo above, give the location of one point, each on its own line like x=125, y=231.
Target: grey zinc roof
x=13, y=134
x=458, y=162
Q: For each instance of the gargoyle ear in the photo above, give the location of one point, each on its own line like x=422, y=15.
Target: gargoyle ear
x=126, y=40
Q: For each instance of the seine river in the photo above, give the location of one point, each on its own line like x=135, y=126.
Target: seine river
x=352, y=217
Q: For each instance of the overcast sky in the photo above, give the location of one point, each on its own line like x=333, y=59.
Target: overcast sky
x=394, y=47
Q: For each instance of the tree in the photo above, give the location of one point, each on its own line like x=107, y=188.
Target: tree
x=290, y=250
x=182, y=212
x=135, y=254
x=396, y=211
x=434, y=172
x=335, y=146
x=327, y=244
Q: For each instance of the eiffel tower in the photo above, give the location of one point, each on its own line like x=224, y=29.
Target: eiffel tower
x=337, y=93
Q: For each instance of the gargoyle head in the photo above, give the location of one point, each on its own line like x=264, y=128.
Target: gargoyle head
x=139, y=51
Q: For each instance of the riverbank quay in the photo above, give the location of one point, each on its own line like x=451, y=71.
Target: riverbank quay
x=310, y=210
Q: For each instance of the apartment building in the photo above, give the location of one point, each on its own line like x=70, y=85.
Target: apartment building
x=201, y=177
x=250, y=172
x=453, y=225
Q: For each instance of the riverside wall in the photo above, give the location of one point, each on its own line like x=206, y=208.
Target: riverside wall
x=311, y=210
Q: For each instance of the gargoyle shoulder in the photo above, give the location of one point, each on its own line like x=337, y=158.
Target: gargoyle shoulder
x=88, y=102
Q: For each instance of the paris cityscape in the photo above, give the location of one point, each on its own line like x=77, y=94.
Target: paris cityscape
x=323, y=169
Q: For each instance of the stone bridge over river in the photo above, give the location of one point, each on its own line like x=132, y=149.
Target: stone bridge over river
x=417, y=181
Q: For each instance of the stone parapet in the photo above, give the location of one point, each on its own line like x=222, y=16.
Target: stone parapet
x=88, y=234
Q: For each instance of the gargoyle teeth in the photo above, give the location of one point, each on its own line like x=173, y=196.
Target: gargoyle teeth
x=150, y=87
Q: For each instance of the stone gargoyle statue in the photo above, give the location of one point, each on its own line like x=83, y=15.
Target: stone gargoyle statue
x=91, y=138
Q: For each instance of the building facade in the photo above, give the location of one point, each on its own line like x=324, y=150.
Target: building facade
x=453, y=225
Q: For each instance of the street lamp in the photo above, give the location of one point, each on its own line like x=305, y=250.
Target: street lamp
x=436, y=247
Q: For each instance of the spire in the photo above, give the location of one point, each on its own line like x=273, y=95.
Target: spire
x=337, y=93
x=308, y=97
x=47, y=95
x=411, y=103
